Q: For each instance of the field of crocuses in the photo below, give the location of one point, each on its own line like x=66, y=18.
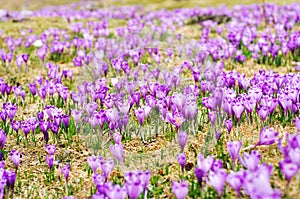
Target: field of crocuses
x=103, y=99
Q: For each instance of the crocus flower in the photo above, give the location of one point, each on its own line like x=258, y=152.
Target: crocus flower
x=116, y=191
x=182, y=139
x=10, y=177
x=50, y=149
x=95, y=162
x=65, y=170
x=289, y=169
x=257, y=183
x=140, y=114
x=181, y=160
x=199, y=173
x=267, y=136
x=180, y=190
x=50, y=161
x=250, y=161
x=107, y=166
x=10, y=109
x=297, y=123
x=234, y=148
x=118, y=151
x=217, y=180
x=2, y=138
x=76, y=115
x=144, y=176
x=133, y=185
x=15, y=157
x=205, y=164
x=217, y=135
x=236, y=180
x=117, y=138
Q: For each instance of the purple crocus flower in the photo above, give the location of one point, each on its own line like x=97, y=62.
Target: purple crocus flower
x=199, y=173
x=217, y=180
x=297, y=123
x=15, y=125
x=50, y=149
x=140, y=114
x=234, y=148
x=95, y=162
x=118, y=151
x=116, y=191
x=250, y=161
x=15, y=157
x=257, y=183
x=180, y=189
x=182, y=139
x=10, y=109
x=117, y=138
x=50, y=161
x=25, y=57
x=145, y=178
x=10, y=177
x=217, y=135
x=238, y=109
x=289, y=169
x=3, y=138
x=19, y=61
x=181, y=160
x=65, y=170
x=133, y=185
x=267, y=136
x=263, y=112
x=76, y=115
x=205, y=164
x=107, y=166
x=236, y=180
x=32, y=88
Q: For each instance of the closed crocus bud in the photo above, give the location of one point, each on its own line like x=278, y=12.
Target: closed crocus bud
x=212, y=117
x=234, y=148
x=117, y=138
x=76, y=116
x=10, y=177
x=199, y=173
x=140, y=114
x=32, y=88
x=25, y=57
x=182, y=139
x=181, y=160
x=3, y=138
x=107, y=167
x=180, y=190
x=118, y=151
x=50, y=161
x=65, y=170
x=218, y=135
